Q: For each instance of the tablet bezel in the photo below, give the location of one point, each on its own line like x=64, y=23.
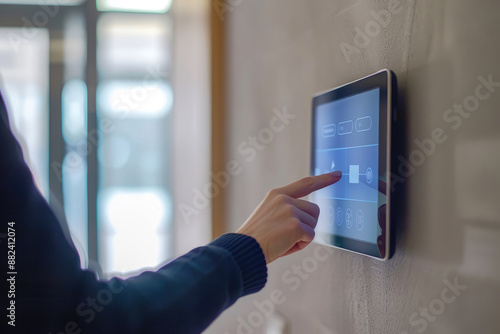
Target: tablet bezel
x=385, y=81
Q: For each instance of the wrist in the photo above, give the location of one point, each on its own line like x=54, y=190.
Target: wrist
x=249, y=257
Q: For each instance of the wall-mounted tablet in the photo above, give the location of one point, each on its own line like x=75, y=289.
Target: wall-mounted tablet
x=351, y=132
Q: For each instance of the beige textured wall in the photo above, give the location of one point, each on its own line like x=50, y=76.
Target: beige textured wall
x=282, y=52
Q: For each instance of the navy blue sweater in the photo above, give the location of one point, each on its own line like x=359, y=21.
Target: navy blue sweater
x=54, y=295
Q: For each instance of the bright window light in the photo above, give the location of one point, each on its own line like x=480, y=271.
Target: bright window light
x=128, y=208
x=134, y=228
x=26, y=83
x=134, y=99
x=133, y=45
x=147, y=6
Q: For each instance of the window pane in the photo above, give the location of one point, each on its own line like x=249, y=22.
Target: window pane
x=134, y=45
x=135, y=223
x=74, y=112
x=74, y=183
x=74, y=170
x=152, y=6
x=25, y=80
x=134, y=101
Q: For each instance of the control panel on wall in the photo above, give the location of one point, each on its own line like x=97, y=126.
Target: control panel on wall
x=352, y=133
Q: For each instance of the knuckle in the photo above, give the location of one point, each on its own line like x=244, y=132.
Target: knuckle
x=282, y=199
x=272, y=193
x=294, y=223
x=288, y=210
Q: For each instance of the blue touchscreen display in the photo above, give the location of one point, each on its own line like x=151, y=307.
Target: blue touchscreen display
x=347, y=139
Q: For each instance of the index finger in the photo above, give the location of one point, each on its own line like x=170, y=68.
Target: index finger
x=307, y=185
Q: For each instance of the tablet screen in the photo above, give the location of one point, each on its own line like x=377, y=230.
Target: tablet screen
x=347, y=136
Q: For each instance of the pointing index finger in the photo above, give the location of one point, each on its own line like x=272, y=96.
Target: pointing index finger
x=307, y=185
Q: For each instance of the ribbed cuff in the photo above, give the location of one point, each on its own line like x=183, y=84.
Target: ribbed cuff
x=248, y=255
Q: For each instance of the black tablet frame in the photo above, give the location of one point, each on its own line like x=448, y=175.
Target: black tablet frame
x=385, y=80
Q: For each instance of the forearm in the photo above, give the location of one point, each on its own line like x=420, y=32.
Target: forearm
x=187, y=294
x=54, y=295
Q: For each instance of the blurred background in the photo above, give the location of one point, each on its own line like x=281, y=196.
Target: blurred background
x=93, y=94
x=148, y=123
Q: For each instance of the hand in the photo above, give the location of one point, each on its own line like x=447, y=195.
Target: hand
x=282, y=223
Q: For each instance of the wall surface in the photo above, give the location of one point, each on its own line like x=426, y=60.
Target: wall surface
x=445, y=275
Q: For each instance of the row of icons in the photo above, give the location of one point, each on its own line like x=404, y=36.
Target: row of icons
x=348, y=218
x=344, y=128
